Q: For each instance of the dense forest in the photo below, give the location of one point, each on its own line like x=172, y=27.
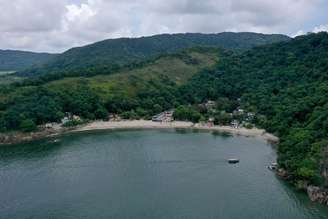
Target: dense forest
x=139, y=92
x=284, y=85
x=109, y=55
x=11, y=60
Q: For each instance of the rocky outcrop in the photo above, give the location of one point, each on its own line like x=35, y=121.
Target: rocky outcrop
x=10, y=138
x=282, y=173
x=315, y=193
x=19, y=137
x=318, y=194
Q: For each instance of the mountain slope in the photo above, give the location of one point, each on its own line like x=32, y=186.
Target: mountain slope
x=123, y=51
x=286, y=85
x=173, y=70
x=12, y=60
x=144, y=90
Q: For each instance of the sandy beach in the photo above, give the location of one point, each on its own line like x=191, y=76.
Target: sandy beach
x=56, y=130
x=147, y=124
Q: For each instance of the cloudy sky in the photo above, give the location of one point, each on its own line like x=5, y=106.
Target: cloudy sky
x=56, y=25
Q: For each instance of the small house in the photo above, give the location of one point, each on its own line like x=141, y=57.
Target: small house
x=210, y=122
x=166, y=116
x=235, y=124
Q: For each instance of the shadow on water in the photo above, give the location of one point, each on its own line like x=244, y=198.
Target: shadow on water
x=182, y=131
x=190, y=130
x=215, y=133
x=45, y=147
x=30, y=150
x=301, y=199
x=221, y=134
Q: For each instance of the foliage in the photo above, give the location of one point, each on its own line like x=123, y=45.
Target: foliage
x=184, y=113
x=284, y=84
x=109, y=55
x=136, y=93
x=73, y=123
x=28, y=125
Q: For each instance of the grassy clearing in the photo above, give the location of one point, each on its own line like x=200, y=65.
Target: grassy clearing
x=177, y=69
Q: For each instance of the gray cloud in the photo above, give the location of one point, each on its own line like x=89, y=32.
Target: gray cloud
x=52, y=25
x=30, y=16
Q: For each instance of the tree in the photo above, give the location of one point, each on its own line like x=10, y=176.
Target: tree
x=101, y=113
x=28, y=125
x=187, y=114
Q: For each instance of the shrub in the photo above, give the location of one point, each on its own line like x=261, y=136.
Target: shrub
x=28, y=125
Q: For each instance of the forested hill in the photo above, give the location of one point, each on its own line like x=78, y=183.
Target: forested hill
x=138, y=92
x=283, y=85
x=286, y=86
x=112, y=53
x=13, y=60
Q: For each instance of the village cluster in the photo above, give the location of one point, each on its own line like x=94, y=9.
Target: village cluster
x=244, y=118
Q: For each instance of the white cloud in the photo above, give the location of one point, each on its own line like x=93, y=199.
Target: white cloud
x=82, y=13
x=55, y=25
x=299, y=33
x=321, y=28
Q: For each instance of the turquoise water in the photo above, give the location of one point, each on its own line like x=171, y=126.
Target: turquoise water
x=147, y=174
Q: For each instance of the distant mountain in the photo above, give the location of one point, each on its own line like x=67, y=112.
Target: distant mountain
x=122, y=51
x=13, y=60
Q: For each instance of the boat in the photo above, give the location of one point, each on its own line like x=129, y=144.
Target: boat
x=273, y=166
x=233, y=161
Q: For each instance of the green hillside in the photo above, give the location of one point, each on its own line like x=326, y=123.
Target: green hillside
x=11, y=60
x=110, y=54
x=176, y=69
x=284, y=85
x=146, y=90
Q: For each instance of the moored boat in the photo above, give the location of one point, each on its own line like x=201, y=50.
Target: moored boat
x=273, y=166
x=233, y=160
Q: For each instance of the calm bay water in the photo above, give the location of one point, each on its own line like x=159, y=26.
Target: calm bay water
x=147, y=174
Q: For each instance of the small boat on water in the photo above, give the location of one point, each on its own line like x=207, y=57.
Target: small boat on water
x=233, y=160
x=273, y=166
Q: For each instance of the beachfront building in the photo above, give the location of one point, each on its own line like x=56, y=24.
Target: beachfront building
x=210, y=122
x=65, y=120
x=70, y=117
x=235, y=124
x=166, y=116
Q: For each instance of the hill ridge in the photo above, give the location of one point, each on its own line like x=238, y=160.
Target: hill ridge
x=122, y=51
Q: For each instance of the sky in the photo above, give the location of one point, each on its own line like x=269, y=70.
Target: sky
x=57, y=25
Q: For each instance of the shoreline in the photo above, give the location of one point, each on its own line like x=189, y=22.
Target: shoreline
x=316, y=194
x=20, y=137
x=148, y=124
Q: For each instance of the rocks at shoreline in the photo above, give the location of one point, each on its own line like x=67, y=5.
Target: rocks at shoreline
x=317, y=194
x=19, y=137
x=282, y=173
